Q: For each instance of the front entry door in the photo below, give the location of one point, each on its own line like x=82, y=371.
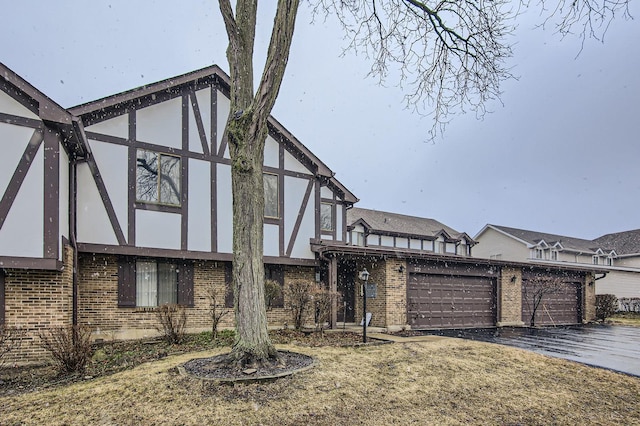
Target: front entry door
x=346, y=287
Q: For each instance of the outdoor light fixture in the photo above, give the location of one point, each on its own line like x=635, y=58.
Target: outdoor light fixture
x=401, y=269
x=513, y=279
x=364, y=276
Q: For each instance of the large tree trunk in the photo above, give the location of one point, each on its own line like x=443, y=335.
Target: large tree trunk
x=246, y=132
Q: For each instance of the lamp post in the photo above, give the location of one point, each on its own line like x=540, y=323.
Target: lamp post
x=364, y=276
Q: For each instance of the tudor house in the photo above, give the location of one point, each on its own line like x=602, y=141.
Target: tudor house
x=114, y=207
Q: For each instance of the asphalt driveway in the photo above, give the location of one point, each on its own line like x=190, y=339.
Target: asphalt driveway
x=613, y=347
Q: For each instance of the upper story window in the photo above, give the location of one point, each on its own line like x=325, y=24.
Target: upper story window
x=609, y=261
x=157, y=178
x=271, y=196
x=595, y=260
x=537, y=253
x=554, y=255
x=326, y=217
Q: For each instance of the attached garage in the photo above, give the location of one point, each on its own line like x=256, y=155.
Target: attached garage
x=454, y=300
x=558, y=299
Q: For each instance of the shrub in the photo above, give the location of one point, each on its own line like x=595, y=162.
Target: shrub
x=630, y=304
x=298, y=297
x=172, y=321
x=70, y=347
x=10, y=341
x=272, y=293
x=606, y=306
x=217, y=309
x=322, y=301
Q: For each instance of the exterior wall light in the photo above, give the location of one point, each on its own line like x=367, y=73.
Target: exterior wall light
x=364, y=276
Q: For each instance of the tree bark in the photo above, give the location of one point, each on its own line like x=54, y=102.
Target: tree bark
x=246, y=132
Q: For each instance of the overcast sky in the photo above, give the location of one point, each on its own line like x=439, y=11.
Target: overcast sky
x=560, y=154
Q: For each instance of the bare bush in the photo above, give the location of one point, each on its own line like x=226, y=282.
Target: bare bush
x=70, y=347
x=323, y=299
x=298, y=297
x=606, y=306
x=630, y=304
x=172, y=322
x=272, y=293
x=217, y=308
x=10, y=342
x=535, y=290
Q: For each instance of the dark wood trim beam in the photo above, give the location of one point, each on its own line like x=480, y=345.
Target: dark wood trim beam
x=7, y=262
x=184, y=180
x=281, y=195
x=2, y=298
x=131, y=193
x=20, y=121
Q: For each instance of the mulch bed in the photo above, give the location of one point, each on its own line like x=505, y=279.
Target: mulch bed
x=218, y=367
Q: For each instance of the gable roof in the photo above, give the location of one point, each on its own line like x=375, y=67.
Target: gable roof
x=398, y=224
x=116, y=104
x=624, y=243
x=533, y=238
x=46, y=109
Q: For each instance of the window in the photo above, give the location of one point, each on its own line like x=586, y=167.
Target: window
x=271, y=195
x=595, y=260
x=157, y=178
x=537, y=253
x=154, y=282
x=554, y=255
x=609, y=261
x=326, y=217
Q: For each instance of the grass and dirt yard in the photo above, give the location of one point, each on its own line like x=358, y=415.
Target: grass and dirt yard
x=448, y=381
x=625, y=318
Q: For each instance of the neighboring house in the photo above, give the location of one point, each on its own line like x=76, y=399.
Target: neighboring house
x=623, y=280
x=616, y=254
x=112, y=208
x=373, y=228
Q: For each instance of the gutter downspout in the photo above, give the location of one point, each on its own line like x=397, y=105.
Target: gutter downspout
x=73, y=187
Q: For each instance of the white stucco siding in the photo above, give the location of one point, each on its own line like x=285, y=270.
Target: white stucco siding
x=302, y=248
x=493, y=243
x=222, y=114
x=294, y=190
x=63, y=198
x=292, y=164
x=161, y=124
x=14, y=141
x=204, y=104
x=93, y=222
x=8, y=105
x=373, y=240
x=112, y=161
x=118, y=127
x=325, y=192
x=619, y=283
x=402, y=242
x=386, y=241
x=22, y=232
x=414, y=244
x=339, y=224
x=199, y=230
x=628, y=262
x=225, y=209
x=271, y=152
x=271, y=242
x=158, y=229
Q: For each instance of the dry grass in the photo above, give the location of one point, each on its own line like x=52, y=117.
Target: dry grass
x=445, y=382
x=625, y=318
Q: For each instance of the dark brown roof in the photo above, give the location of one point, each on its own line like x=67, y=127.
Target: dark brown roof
x=399, y=224
x=624, y=243
x=534, y=237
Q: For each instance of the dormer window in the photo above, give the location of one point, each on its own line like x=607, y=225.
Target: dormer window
x=554, y=255
x=595, y=260
x=537, y=253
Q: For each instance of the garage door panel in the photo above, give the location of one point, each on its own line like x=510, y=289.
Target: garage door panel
x=436, y=301
x=560, y=307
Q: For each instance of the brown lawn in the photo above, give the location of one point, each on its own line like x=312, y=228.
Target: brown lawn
x=449, y=381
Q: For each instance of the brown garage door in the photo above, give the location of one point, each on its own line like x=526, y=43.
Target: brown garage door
x=438, y=301
x=559, y=304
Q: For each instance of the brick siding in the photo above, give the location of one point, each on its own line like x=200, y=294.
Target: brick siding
x=510, y=297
